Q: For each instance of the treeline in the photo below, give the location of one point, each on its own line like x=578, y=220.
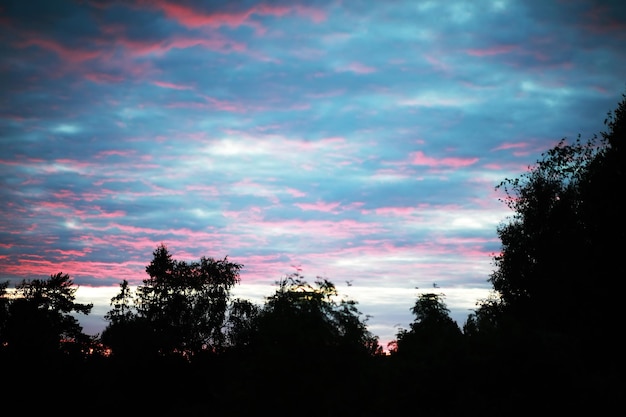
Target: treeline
x=548, y=340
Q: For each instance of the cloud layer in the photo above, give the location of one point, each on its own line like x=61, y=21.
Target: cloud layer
x=359, y=141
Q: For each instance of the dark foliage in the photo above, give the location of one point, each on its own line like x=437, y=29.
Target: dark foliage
x=36, y=318
x=181, y=308
x=305, y=320
x=553, y=318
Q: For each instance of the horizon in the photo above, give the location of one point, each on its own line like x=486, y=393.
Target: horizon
x=460, y=302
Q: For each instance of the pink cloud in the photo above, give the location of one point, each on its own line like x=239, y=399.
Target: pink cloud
x=65, y=195
x=358, y=68
x=202, y=189
x=73, y=253
x=188, y=233
x=395, y=211
x=494, y=167
x=211, y=104
x=172, y=86
x=102, y=78
x=115, y=152
x=67, y=54
x=21, y=162
x=319, y=206
x=340, y=229
x=100, y=214
x=264, y=267
x=295, y=193
x=190, y=17
x=494, y=50
x=51, y=206
x=523, y=149
x=193, y=18
x=380, y=253
x=39, y=267
x=142, y=241
x=101, y=182
x=418, y=158
x=224, y=105
x=507, y=145
x=214, y=43
x=313, y=14
x=398, y=171
x=330, y=143
x=428, y=251
x=438, y=64
x=74, y=164
x=161, y=47
x=253, y=214
x=63, y=210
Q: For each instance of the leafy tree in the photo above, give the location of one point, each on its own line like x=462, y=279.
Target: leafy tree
x=554, y=314
x=305, y=319
x=38, y=316
x=541, y=253
x=432, y=333
x=561, y=247
x=4, y=309
x=240, y=325
x=128, y=335
x=4, y=315
x=485, y=319
x=180, y=308
x=602, y=188
x=305, y=340
x=427, y=359
x=123, y=307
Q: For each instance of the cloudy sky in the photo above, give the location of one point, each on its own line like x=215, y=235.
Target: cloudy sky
x=360, y=141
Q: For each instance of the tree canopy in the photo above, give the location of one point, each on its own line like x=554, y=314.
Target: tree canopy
x=37, y=317
x=300, y=317
x=181, y=306
x=561, y=246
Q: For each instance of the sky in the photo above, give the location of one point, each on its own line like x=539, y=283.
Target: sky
x=358, y=141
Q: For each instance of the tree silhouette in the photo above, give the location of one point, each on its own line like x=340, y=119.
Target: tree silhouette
x=426, y=360
x=37, y=317
x=300, y=317
x=4, y=310
x=433, y=335
x=559, y=249
x=180, y=308
x=240, y=324
x=127, y=334
x=304, y=341
x=553, y=317
x=123, y=306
